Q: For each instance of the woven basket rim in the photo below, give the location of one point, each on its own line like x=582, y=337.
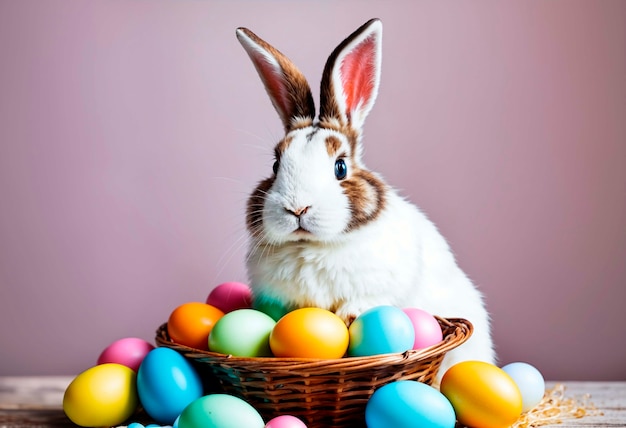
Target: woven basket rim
x=463, y=329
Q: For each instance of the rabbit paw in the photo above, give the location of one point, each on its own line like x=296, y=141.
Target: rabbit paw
x=348, y=312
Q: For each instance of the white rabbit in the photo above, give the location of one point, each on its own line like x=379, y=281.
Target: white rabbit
x=326, y=231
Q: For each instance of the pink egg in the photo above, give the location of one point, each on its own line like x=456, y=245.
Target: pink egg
x=128, y=352
x=230, y=296
x=427, y=329
x=285, y=421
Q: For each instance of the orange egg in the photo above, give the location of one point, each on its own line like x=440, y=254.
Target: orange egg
x=309, y=333
x=482, y=395
x=191, y=323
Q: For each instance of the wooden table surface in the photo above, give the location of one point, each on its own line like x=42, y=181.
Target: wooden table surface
x=36, y=401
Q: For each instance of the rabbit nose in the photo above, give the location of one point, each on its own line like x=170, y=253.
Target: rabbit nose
x=299, y=211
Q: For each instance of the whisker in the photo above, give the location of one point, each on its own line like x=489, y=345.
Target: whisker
x=229, y=179
x=256, y=137
x=230, y=252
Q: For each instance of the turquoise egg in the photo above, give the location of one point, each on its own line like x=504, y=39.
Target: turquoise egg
x=242, y=333
x=271, y=306
x=220, y=411
x=166, y=384
x=381, y=330
x=407, y=404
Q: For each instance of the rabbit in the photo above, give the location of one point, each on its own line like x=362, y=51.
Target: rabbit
x=327, y=232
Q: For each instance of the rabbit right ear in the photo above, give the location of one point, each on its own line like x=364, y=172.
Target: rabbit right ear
x=285, y=84
x=351, y=77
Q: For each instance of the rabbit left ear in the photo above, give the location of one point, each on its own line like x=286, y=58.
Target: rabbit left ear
x=285, y=84
x=351, y=77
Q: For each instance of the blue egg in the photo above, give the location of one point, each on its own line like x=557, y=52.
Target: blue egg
x=530, y=382
x=166, y=384
x=220, y=411
x=381, y=330
x=408, y=403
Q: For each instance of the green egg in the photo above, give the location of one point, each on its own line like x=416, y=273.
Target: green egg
x=220, y=411
x=242, y=333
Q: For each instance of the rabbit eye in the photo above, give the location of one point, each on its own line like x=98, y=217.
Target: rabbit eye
x=341, y=169
x=275, y=167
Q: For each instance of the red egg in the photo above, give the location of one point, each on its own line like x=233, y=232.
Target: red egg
x=230, y=296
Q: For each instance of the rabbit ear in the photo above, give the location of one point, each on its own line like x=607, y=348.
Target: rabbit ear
x=351, y=77
x=285, y=84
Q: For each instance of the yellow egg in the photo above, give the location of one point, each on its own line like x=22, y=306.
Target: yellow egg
x=104, y=395
x=482, y=395
x=310, y=333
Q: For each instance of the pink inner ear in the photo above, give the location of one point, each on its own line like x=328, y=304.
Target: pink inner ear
x=274, y=85
x=358, y=74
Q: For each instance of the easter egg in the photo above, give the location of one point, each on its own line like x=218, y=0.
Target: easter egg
x=275, y=308
x=408, y=403
x=140, y=425
x=104, y=395
x=167, y=383
x=427, y=329
x=242, y=333
x=530, y=382
x=190, y=324
x=381, y=330
x=128, y=352
x=220, y=411
x=482, y=394
x=285, y=421
x=309, y=333
x=230, y=296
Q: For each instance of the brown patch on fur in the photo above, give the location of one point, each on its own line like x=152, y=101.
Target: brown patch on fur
x=332, y=124
x=282, y=146
x=366, y=194
x=300, y=123
x=349, y=320
x=351, y=134
x=333, y=144
x=365, y=191
x=328, y=104
x=256, y=202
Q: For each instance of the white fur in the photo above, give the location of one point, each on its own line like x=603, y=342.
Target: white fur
x=299, y=184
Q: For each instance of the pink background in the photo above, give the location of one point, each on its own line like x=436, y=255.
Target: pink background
x=132, y=131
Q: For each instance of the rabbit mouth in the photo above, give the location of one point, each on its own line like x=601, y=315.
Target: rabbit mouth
x=301, y=231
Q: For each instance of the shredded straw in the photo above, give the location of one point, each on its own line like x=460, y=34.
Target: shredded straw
x=555, y=407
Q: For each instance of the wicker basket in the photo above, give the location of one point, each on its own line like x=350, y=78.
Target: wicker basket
x=323, y=393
